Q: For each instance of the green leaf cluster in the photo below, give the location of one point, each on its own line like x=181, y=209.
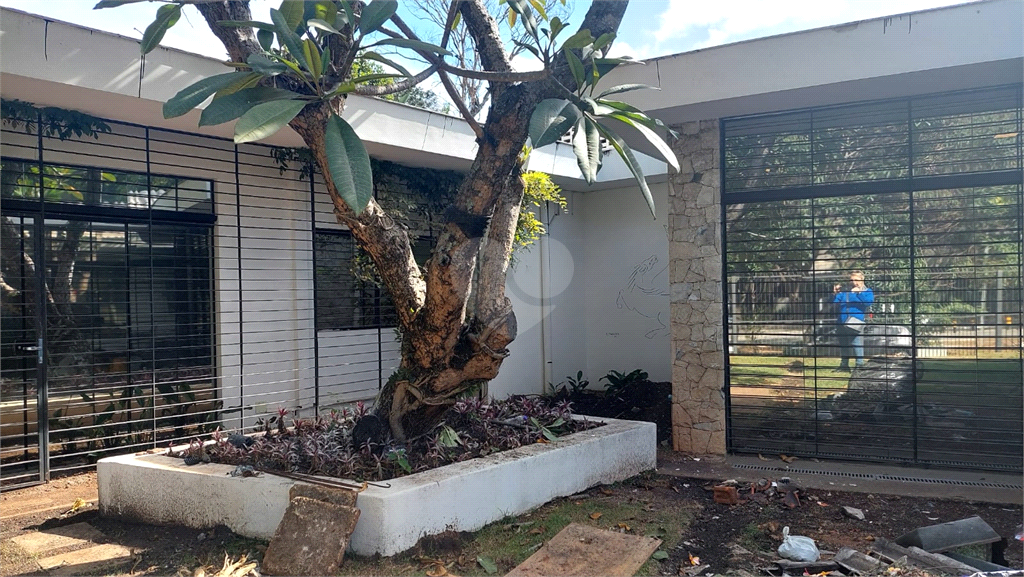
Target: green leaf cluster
x=581, y=113
x=294, y=70
x=538, y=188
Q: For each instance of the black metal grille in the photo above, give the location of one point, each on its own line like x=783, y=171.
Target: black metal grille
x=187, y=302
x=924, y=195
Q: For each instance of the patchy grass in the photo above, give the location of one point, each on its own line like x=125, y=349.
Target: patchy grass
x=623, y=507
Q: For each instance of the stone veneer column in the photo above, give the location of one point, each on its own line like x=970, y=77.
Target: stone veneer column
x=695, y=265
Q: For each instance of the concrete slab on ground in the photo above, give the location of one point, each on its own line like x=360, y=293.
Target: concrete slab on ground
x=86, y=560
x=76, y=535
x=583, y=550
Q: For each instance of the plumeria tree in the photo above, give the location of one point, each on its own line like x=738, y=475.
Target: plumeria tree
x=297, y=70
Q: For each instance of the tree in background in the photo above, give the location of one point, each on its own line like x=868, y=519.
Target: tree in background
x=473, y=91
x=455, y=320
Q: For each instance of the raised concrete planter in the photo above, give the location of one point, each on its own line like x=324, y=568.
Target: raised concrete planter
x=464, y=496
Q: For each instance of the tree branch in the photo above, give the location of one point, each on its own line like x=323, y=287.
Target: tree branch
x=445, y=81
x=370, y=90
x=239, y=42
x=484, y=30
x=376, y=232
x=453, y=10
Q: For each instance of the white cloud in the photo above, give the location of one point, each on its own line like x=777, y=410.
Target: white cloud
x=623, y=48
x=526, y=62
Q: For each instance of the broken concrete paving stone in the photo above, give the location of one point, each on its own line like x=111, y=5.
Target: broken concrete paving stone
x=791, y=499
x=945, y=536
x=726, y=495
x=853, y=513
x=311, y=539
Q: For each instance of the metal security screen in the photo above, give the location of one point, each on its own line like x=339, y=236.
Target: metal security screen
x=924, y=197
x=159, y=284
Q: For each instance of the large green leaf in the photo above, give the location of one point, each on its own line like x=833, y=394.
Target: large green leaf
x=166, y=16
x=114, y=3
x=626, y=153
x=292, y=10
x=639, y=116
x=578, y=40
x=375, y=14
x=626, y=88
x=413, y=44
x=230, y=107
x=349, y=164
x=192, y=96
x=322, y=25
x=247, y=81
x=265, y=66
x=312, y=54
x=576, y=67
x=586, y=144
x=551, y=119
x=344, y=16
x=288, y=38
x=265, y=119
x=266, y=39
x=651, y=137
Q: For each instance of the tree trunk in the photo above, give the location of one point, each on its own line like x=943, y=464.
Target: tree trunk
x=454, y=317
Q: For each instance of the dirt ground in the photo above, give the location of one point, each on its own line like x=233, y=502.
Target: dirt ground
x=679, y=510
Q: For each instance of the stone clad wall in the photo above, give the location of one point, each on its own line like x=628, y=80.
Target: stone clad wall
x=695, y=264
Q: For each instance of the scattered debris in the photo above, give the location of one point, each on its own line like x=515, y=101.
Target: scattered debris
x=244, y=471
x=75, y=507
x=853, y=513
x=798, y=548
x=856, y=563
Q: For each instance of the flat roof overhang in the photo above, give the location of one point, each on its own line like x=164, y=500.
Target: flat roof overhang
x=945, y=49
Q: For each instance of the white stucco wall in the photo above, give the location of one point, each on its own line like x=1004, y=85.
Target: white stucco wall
x=625, y=270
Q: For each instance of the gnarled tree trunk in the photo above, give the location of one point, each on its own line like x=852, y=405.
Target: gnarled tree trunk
x=455, y=320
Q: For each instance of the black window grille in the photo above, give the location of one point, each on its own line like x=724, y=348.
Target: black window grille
x=965, y=133
x=926, y=196
x=348, y=293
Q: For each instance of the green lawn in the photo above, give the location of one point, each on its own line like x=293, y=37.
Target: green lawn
x=988, y=380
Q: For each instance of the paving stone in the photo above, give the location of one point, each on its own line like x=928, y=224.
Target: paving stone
x=311, y=539
x=86, y=560
x=584, y=550
x=58, y=538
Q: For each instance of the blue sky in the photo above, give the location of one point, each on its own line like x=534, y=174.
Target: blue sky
x=651, y=27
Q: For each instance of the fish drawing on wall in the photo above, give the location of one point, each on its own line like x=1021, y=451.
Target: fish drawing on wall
x=646, y=294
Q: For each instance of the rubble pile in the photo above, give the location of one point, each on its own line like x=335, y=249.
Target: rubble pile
x=965, y=547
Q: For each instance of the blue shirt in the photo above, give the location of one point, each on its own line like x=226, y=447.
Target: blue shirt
x=853, y=304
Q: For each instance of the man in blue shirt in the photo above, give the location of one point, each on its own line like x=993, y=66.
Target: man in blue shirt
x=853, y=306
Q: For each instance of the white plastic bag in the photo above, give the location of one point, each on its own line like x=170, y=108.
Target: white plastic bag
x=798, y=548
